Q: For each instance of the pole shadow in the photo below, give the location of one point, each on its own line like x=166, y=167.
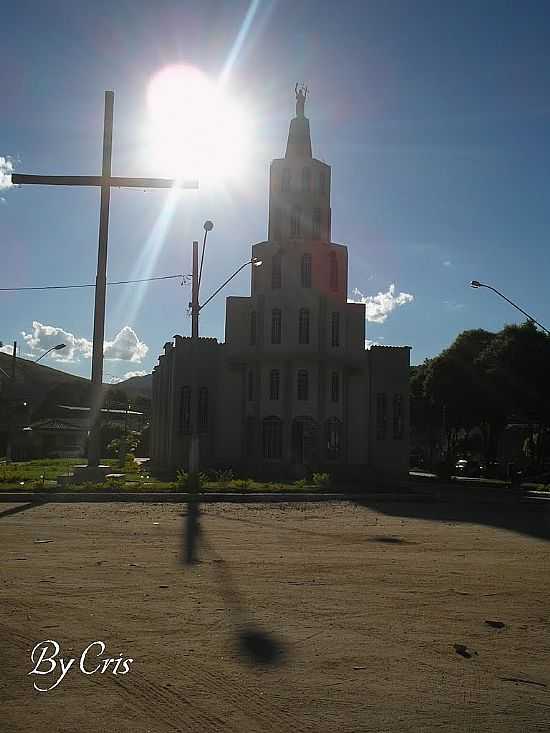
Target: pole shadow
x=253, y=645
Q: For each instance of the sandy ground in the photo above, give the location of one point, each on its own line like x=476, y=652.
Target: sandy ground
x=365, y=603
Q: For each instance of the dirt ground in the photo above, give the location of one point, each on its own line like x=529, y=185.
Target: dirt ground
x=363, y=603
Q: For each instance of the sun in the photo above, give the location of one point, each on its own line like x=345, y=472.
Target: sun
x=197, y=130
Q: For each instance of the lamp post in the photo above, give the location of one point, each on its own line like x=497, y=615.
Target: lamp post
x=58, y=347
x=11, y=398
x=192, y=522
x=477, y=284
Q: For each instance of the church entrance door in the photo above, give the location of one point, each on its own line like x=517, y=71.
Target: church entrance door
x=304, y=440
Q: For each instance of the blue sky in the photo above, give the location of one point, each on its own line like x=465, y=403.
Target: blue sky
x=433, y=115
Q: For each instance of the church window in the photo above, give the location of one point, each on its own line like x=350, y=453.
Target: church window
x=272, y=437
x=185, y=410
x=295, y=223
x=335, y=329
x=305, y=273
x=322, y=182
x=250, y=436
x=276, y=318
x=333, y=271
x=285, y=180
x=398, y=417
x=335, y=387
x=274, y=384
x=333, y=438
x=381, y=415
x=306, y=179
x=276, y=275
x=253, y=328
x=303, y=384
x=277, y=218
x=316, y=224
x=203, y=409
x=303, y=326
x=250, y=385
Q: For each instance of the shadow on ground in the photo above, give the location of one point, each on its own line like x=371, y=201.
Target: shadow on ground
x=532, y=519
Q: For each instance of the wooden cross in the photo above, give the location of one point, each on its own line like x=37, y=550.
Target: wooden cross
x=105, y=181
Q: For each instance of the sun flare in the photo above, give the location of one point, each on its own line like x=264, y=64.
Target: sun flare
x=197, y=130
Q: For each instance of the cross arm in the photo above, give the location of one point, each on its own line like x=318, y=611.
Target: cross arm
x=113, y=181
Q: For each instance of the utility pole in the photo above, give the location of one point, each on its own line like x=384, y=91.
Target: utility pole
x=10, y=404
x=192, y=523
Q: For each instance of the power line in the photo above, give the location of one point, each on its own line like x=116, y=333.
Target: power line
x=118, y=282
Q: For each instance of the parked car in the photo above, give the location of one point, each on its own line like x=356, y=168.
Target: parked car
x=468, y=467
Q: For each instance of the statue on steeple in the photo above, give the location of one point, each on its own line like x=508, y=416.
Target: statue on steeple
x=301, y=94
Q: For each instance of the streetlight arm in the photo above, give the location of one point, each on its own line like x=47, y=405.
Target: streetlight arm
x=249, y=262
x=483, y=285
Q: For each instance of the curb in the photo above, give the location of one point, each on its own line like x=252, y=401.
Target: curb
x=211, y=498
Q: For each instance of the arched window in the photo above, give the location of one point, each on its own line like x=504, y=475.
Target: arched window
x=250, y=385
x=285, y=180
x=381, y=415
x=295, y=223
x=185, y=410
x=306, y=179
x=274, y=384
x=305, y=273
x=335, y=329
x=253, y=328
x=316, y=224
x=303, y=326
x=333, y=438
x=335, y=387
x=276, y=274
x=203, y=409
x=398, y=422
x=272, y=437
x=276, y=318
x=333, y=271
x=250, y=436
x=303, y=384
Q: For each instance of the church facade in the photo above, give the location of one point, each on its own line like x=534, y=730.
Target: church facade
x=293, y=388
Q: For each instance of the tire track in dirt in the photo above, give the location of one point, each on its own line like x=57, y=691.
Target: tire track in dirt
x=170, y=707
x=247, y=698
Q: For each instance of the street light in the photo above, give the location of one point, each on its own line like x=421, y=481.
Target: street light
x=58, y=347
x=477, y=284
x=193, y=510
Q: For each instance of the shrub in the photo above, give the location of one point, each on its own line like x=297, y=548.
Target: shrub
x=301, y=483
x=321, y=480
x=240, y=483
x=183, y=480
x=224, y=476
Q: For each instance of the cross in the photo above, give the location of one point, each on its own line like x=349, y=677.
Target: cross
x=105, y=181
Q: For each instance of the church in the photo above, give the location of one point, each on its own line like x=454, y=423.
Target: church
x=293, y=388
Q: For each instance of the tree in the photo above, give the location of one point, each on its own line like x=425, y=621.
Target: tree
x=517, y=363
x=457, y=384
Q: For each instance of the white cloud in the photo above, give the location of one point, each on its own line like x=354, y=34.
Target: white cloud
x=379, y=307
x=6, y=169
x=369, y=343
x=447, y=263
x=126, y=346
x=6, y=349
x=43, y=337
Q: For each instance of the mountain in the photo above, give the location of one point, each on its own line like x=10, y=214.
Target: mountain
x=41, y=386
x=137, y=386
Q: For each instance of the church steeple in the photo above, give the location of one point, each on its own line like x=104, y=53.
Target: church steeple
x=299, y=140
